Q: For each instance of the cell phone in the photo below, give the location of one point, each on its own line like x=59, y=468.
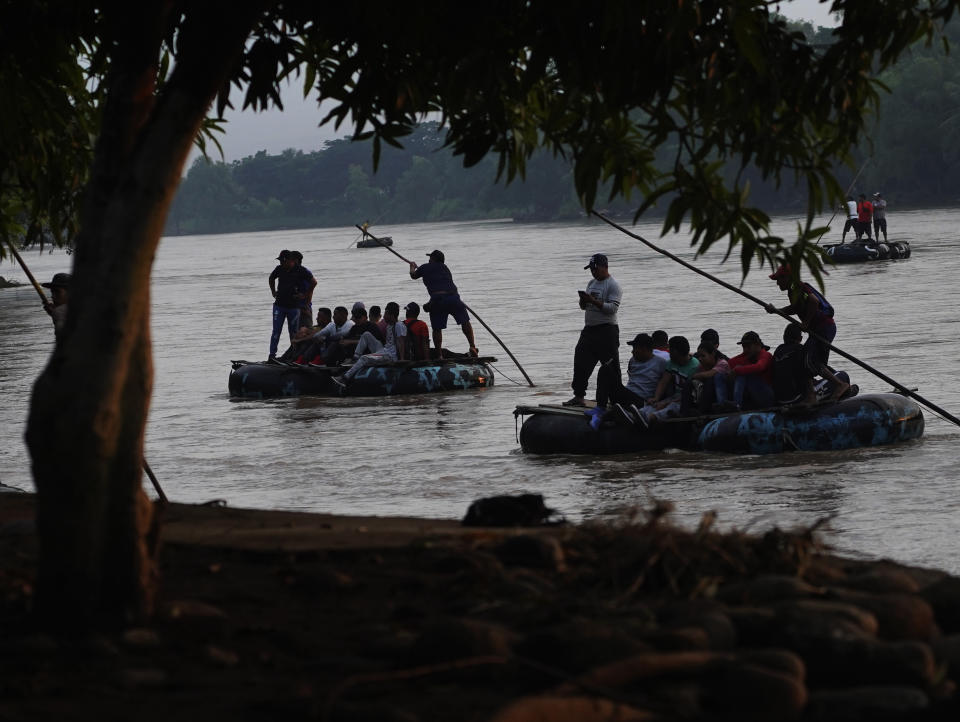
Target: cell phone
x=584, y=293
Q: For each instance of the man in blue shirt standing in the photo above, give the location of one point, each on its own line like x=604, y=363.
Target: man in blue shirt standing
x=291, y=285
x=444, y=300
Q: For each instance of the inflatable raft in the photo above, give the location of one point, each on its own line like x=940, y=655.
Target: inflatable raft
x=868, y=420
x=260, y=380
x=859, y=253
x=371, y=243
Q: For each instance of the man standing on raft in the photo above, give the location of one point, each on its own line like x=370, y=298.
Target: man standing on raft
x=816, y=318
x=444, y=300
x=600, y=338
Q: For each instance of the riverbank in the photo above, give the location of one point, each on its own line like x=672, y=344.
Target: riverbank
x=278, y=615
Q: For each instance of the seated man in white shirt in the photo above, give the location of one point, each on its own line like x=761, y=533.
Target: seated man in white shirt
x=322, y=339
x=393, y=350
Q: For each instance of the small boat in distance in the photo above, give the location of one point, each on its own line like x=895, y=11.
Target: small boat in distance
x=860, y=252
x=371, y=243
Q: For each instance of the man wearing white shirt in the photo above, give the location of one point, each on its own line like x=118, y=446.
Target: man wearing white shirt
x=380, y=354
x=329, y=334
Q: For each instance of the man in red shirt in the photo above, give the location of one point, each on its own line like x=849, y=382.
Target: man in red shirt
x=864, y=217
x=752, y=373
x=418, y=334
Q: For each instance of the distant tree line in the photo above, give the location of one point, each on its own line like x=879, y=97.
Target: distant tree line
x=911, y=154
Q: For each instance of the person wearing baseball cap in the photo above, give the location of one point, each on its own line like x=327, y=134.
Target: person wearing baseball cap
x=59, y=287
x=752, y=373
x=644, y=371
x=879, y=217
x=444, y=300
x=418, y=335
x=599, y=341
x=291, y=286
x=815, y=315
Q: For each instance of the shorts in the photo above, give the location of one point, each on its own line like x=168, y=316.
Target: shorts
x=818, y=352
x=447, y=305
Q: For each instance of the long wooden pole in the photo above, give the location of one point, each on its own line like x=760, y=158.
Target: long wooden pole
x=43, y=297
x=13, y=250
x=474, y=313
x=896, y=384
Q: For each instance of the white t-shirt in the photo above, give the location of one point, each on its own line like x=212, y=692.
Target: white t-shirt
x=332, y=332
x=394, y=330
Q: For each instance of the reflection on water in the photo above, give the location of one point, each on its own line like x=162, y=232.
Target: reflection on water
x=433, y=455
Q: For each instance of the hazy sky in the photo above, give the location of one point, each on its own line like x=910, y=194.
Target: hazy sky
x=297, y=125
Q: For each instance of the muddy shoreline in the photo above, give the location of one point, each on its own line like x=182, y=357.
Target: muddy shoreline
x=280, y=615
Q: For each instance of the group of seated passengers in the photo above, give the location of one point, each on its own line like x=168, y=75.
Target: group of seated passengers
x=365, y=340
x=664, y=379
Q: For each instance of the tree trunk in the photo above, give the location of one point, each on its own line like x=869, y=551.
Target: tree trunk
x=89, y=407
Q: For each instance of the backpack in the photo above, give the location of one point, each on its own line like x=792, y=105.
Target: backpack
x=825, y=308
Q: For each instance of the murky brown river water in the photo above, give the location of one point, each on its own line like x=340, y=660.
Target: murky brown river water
x=431, y=456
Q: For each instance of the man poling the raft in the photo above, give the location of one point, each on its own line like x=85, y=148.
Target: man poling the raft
x=816, y=318
x=412, y=265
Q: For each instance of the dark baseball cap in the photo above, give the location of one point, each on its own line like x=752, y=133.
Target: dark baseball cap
x=412, y=307
x=59, y=280
x=641, y=339
x=283, y=255
x=436, y=255
x=597, y=259
x=750, y=337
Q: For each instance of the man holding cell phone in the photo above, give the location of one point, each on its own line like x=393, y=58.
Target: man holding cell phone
x=600, y=338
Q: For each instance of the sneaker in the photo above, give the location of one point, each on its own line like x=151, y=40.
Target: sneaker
x=597, y=419
x=850, y=392
x=316, y=365
x=339, y=381
x=272, y=360
x=642, y=420
x=575, y=401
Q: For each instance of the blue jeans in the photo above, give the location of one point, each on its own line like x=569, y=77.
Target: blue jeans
x=281, y=314
x=754, y=389
x=720, y=388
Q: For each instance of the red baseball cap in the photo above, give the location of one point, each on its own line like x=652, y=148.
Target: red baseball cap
x=782, y=272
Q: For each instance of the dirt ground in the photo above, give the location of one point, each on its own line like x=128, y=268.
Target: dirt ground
x=272, y=615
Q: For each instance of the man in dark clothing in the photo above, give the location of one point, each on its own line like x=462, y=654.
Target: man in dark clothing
x=788, y=367
x=816, y=318
x=306, y=285
x=290, y=285
x=444, y=300
x=57, y=307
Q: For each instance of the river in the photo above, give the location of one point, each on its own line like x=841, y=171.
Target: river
x=431, y=456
